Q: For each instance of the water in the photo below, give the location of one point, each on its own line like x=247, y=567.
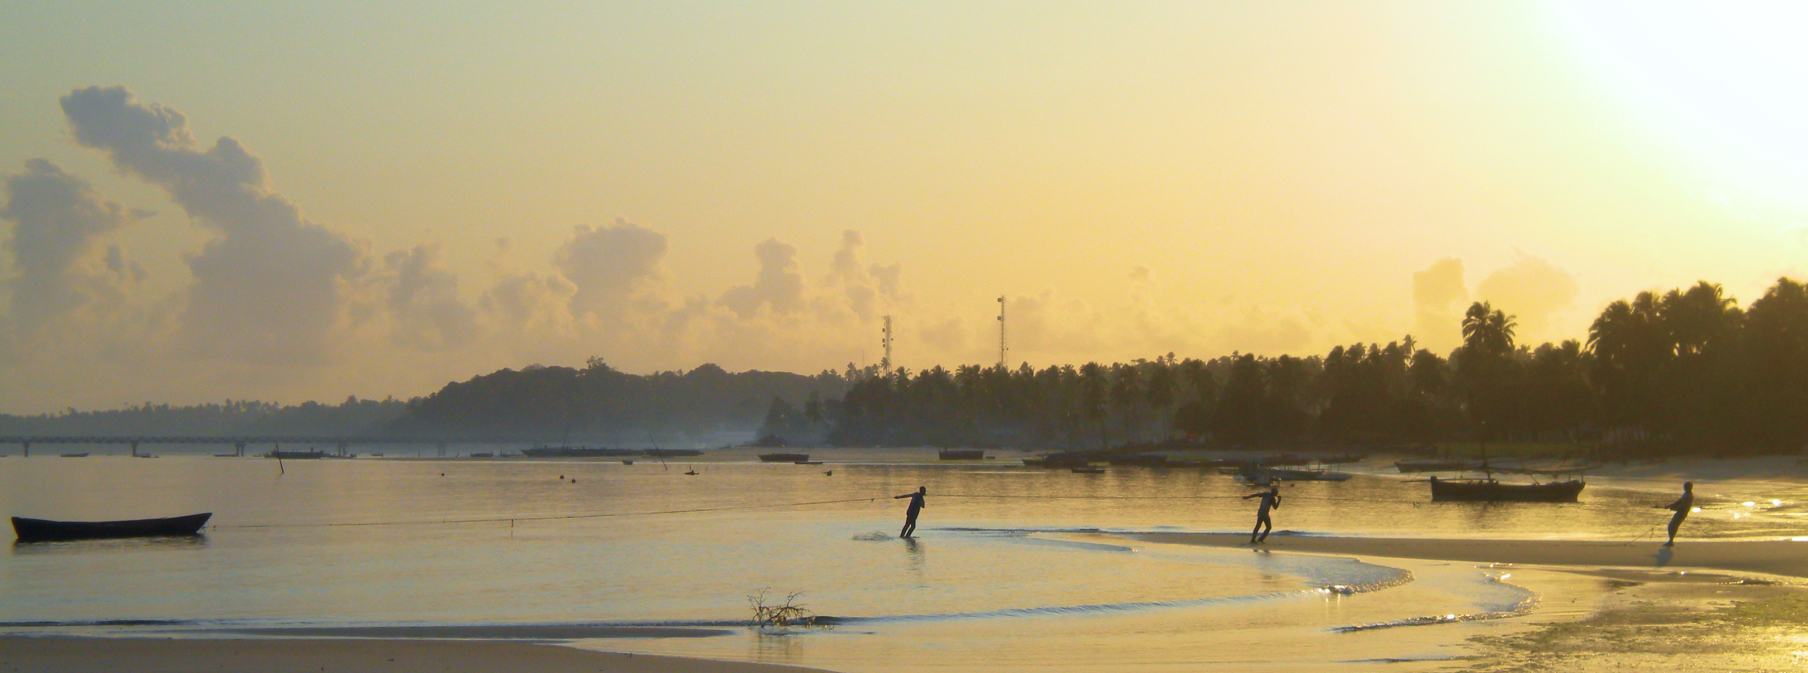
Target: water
x=1027, y=576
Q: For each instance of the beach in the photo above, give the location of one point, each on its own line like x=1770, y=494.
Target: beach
x=144, y=655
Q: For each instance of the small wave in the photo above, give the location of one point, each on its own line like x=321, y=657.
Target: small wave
x=1521, y=603
x=874, y=536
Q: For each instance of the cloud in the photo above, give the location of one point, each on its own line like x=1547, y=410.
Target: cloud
x=613, y=269
x=58, y=220
x=777, y=285
x=272, y=287
x=423, y=298
x=1532, y=289
x=1439, y=297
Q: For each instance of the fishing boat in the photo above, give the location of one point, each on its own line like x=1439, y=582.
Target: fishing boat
x=296, y=455
x=83, y=454
x=39, y=530
x=961, y=454
x=784, y=457
x=1436, y=465
x=1488, y=490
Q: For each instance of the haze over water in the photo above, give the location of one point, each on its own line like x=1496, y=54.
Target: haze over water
x=1026, y=569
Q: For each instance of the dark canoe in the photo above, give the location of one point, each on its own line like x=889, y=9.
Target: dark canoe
x=1488, y=490
x=36, y=530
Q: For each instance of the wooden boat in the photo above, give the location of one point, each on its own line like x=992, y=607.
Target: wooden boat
x=296, y=455
x=83, y=454
x=961, y=454
x=1062, y=460
x=37, y=530
x=784, y=457
x=1489, y=490
x=1436, y=465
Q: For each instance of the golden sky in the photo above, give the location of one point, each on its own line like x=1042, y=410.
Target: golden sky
x=309, y=200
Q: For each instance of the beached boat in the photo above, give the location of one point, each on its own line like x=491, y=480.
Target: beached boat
x=627, y=461
x=784, y=457
x=1436, y=465
x=83, y=454
x=38, y=530
x=1489, y=490
x=961, y=454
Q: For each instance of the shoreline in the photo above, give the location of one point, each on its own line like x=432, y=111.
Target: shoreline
x=1770, y=557
x=59, y=654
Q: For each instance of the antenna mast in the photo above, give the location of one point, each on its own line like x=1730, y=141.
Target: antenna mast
x=1003, y=348
x=885, y=362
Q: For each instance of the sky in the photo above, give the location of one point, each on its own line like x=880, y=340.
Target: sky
x=304, y=201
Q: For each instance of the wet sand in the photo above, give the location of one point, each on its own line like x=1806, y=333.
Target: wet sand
x=82, y=655
x=1775, y=557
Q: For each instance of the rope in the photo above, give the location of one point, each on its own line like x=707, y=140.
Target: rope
x=545, y=517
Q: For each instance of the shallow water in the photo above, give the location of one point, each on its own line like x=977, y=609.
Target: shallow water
x=1007, y=563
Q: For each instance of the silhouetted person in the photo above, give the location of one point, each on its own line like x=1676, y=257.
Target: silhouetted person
x=1271, y=499
x=910, y=514
x=1682, y=507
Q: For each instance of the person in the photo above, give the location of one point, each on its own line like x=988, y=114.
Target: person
x=1681, y=507
x=1271, y=499
x=910, y=514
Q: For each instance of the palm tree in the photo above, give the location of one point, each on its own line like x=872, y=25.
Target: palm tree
x=1488, y=330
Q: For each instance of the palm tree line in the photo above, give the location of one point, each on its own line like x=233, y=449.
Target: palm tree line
x=1686, y=370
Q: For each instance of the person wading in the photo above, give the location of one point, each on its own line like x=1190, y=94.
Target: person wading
x=910, y=514
x=1271, y=499
x=1681, y=507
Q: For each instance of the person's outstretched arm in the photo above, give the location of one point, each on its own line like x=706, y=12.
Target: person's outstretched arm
x=901, y=497
x=1252, y=495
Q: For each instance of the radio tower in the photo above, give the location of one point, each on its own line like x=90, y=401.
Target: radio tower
x=1003, y=349
x=885, y=362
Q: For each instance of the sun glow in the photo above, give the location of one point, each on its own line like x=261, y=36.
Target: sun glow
x=1722, y=81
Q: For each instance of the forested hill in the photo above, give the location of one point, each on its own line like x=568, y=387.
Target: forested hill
x=600, y=404
x=595, y=404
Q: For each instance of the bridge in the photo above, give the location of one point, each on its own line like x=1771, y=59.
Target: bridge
x=238, y=442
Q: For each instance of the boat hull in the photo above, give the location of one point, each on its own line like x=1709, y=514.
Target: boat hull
x=1445, y=490
x=961, y=454
x=784, y=457
x=44, y=530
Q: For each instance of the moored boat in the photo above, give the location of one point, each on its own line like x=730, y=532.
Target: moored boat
x=783, y=457
x=1489, y=490
x=296, y=455
x=40, y=530
x=961, y=454
x=83, y=454
x=1138, y=459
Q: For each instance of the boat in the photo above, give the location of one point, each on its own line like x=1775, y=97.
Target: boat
x=1088, y=469
x=1287, y=459
x=627, y=461
x=39, y=530
x=376, y=454
x=576, y=452
x=225, y=455
x=83, y=454
x=1489, y=490
x=1343, y=458
x=671, y=453
x=484, y=454
x=809, y=462
x=296, y=455
x=691, y=472
x=1058, y=461
x=144, y=455
x=783, y=457
x=961, y=454
x=1436, y=465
